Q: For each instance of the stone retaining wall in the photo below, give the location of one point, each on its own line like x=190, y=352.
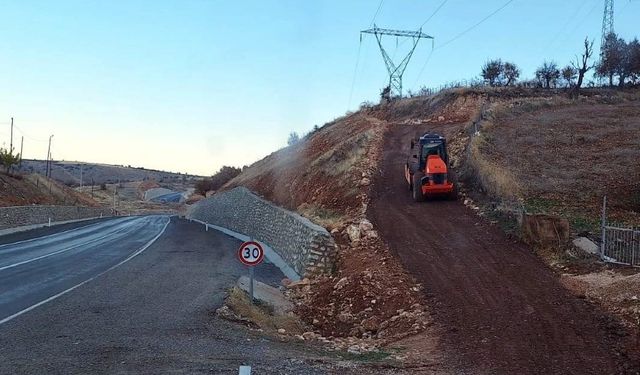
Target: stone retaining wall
x=17, y=216
x=306, y=247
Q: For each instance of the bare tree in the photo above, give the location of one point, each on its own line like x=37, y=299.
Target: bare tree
x=511, y=73
x=492, y=72
x=548, y=74
x=582, y=65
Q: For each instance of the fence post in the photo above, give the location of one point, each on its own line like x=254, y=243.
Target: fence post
x=603, y=227
x=635, y=245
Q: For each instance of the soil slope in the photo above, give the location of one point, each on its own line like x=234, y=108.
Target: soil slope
x=501, y=310
x=35, y=189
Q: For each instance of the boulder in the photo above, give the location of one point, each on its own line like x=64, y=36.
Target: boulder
x=354, y=233
x=586, y=245
x=365, y=225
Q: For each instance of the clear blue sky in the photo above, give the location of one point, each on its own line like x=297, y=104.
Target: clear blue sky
x=191, y=85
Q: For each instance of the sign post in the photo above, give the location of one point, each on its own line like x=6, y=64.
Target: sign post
x=251, y=254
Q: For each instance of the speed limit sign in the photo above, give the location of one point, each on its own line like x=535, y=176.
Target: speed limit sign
x=251, y=253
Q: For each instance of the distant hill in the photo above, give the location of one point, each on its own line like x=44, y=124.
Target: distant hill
x=68, y=172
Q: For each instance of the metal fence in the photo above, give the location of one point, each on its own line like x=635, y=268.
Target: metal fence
x=619, y=244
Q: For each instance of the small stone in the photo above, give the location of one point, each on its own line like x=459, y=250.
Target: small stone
x=365, y=182
x=316, y=322
x=371, y=324
x=309, y=335
x=282, y=331
x=353, y=232
x=341, y=283
x=365, y=225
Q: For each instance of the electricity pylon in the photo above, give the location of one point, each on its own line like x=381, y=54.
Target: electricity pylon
x=607, y=22
x=396, y=71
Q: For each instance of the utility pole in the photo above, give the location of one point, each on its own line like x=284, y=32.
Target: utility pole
x=21, y=144
x=11, y=141
x=48, y=156
x=115, y=193
x=396, y=71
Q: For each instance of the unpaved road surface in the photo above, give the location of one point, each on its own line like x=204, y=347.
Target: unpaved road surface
x=151, y=315
x=499, y=308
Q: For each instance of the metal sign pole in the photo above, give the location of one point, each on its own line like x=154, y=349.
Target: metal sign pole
x=603, y=224
x=251, y=282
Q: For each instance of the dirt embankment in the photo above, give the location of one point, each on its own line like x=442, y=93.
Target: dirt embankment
x=497, y=307
x=488, y=303
x=23, y=190
x=559, y=156
x=326, y=177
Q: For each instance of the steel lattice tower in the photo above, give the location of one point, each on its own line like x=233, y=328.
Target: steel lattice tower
x=607, y=22
x=396, y=71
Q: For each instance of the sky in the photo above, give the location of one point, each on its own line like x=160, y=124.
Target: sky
x=189, y=86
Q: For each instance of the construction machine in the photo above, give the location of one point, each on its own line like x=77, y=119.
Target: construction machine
x=427, y=169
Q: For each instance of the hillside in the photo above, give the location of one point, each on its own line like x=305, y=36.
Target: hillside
x=68, y=173
x=561, y=157
x=35, y=189
x=511, y=149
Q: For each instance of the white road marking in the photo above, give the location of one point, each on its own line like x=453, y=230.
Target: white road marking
x=63, y=250
x=58, y=233
x=88, y=280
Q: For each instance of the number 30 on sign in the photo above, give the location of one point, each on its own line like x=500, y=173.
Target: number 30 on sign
x=251, y=253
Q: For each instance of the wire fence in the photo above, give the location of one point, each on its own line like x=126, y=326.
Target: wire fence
x=620, y=244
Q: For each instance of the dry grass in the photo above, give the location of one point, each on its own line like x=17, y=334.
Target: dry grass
x=561, y=156
x=325, y=217
x=262, y=315
x=494, y=179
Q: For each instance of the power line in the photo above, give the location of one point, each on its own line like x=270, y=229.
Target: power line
x=424, y=66
x=566, y=23
x=458, y=35
x=376, y=14
x=434, y=13
x=30, y=137
x=475, y=25
x=355, y=72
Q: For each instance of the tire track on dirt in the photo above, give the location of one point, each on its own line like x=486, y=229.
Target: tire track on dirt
x=500, y=308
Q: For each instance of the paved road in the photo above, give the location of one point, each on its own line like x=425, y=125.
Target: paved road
x=154, y=314
x=38, y=269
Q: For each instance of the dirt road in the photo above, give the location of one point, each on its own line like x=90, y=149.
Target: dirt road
x=501, y=310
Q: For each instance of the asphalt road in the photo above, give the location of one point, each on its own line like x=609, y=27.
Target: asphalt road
x=35, y=270
x=152, y=314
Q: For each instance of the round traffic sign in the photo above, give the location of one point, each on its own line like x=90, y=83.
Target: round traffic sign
x=250, y=253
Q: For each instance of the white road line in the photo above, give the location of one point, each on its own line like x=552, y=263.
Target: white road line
x=64, y=250
x=58, y=233
x=88, y=280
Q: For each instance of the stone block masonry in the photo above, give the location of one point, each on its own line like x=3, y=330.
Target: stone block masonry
x=306, y=247
x=17, y=216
